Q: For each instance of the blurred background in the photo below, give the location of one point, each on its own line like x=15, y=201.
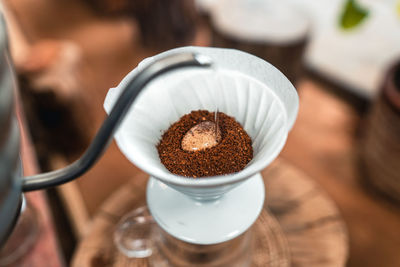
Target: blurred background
x=342, y=56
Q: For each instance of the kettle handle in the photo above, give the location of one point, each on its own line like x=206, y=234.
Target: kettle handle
x=111, y=123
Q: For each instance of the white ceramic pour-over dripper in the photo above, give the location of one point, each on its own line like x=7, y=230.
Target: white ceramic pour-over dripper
x=214, y=209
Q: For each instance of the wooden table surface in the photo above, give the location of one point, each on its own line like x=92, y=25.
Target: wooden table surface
x=324, y=144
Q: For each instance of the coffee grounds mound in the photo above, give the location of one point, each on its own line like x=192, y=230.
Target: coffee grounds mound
x=230, y=155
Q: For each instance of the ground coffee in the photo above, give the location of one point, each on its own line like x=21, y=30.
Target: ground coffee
x=230, y=155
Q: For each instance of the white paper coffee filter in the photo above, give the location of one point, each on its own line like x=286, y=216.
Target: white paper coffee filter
x=254, y=104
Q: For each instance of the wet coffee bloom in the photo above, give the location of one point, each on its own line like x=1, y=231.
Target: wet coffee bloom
x=192, y=146
x=201, y=136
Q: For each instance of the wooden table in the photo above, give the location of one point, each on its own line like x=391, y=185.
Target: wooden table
x=324, y=143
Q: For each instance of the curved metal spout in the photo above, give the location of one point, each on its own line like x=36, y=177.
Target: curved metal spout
x=111, y=123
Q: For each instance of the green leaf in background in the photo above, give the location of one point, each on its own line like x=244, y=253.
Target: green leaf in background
x=398, y=8
x=352, y=15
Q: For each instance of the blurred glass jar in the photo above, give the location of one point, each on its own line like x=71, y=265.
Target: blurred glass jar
x=276, y=31
x=138, y=236
x=380, y=146
x=22, y=238
x=173, y=252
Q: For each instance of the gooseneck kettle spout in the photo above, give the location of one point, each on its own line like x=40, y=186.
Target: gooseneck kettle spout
x=111, y=123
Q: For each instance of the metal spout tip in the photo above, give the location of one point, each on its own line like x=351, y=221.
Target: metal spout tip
x=203, y=60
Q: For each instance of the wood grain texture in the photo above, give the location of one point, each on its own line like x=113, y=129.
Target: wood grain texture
x=380, y=149
x=324, y=143
x=304, y=228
